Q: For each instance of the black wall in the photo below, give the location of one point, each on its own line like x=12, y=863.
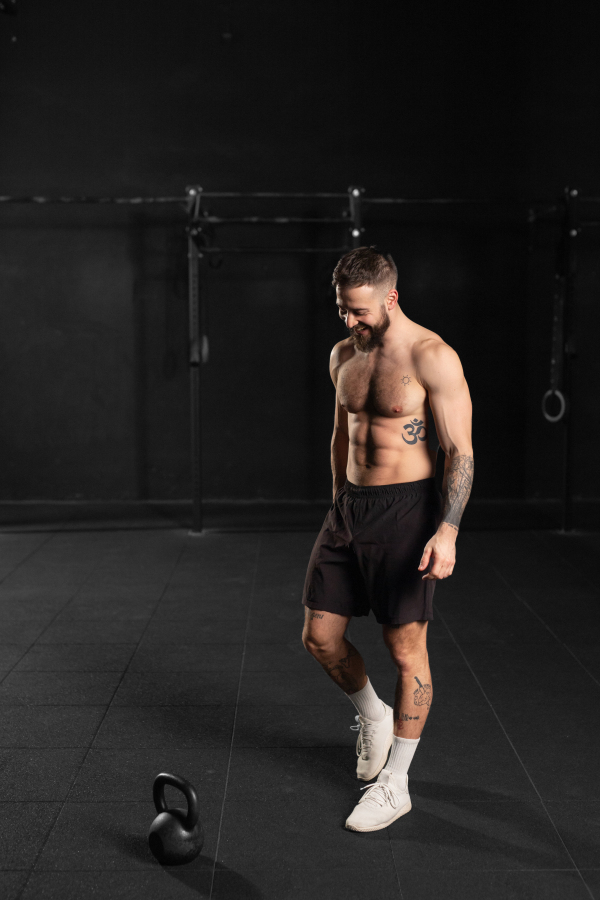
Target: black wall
x=126, y=98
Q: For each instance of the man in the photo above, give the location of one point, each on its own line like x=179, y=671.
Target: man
x=388, y=536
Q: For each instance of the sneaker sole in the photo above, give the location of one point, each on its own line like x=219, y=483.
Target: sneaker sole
x=382, y=761
x=403, y=811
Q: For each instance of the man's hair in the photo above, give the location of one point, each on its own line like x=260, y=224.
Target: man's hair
x=365, y=265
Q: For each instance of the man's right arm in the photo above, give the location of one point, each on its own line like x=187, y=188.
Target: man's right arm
x=339, y=440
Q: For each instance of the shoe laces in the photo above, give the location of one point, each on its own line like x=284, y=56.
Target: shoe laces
x=379, y=794
x=365, y=737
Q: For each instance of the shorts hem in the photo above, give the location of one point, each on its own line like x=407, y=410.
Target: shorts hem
x=404, y=621
x=312, y=604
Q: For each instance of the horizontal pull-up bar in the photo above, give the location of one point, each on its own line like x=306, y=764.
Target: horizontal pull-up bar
x=274, y=220
x=218, y=250
x=122, y=201
x=273, y=195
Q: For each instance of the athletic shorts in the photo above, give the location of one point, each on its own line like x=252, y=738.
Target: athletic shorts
x=368, y=551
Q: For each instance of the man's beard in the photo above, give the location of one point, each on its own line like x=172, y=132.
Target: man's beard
x=373, y=337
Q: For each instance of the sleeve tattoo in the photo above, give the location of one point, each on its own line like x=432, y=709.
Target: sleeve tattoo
x=458, y=480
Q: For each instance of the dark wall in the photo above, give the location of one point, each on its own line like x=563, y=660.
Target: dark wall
x=148, y=97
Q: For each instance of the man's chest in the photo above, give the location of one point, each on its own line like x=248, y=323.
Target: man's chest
x=380, y=387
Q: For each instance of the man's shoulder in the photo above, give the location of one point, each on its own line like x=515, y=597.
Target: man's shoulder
x=435, y=358
x=341, y=351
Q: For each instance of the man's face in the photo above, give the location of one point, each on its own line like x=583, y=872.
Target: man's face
x=363, y=309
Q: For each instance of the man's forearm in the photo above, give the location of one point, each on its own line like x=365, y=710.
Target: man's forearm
x=339, y=459
x=458, y=481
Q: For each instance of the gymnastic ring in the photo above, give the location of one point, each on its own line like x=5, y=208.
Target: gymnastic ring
x=562, y=401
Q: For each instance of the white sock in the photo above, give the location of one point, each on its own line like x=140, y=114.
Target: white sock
x=368, y=704
x=401, y=754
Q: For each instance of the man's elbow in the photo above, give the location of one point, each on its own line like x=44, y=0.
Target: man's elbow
x=456, y=450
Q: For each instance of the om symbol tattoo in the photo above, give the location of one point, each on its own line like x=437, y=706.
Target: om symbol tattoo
x=414, y=428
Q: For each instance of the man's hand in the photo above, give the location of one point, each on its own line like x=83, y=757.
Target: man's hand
x=441, y=549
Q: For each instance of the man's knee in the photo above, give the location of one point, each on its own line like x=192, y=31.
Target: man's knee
x=323, y=633
x=407, y=645
x=317, y=644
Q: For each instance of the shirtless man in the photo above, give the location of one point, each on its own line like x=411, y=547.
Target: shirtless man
x=389, y=535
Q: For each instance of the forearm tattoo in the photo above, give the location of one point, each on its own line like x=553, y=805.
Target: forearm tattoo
x=458, y=481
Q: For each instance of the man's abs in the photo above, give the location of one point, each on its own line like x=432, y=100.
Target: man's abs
x=390, y=451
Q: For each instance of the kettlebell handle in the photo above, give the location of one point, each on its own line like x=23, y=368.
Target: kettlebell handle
x=158, y=794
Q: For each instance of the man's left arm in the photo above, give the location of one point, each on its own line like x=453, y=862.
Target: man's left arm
x=441, y=374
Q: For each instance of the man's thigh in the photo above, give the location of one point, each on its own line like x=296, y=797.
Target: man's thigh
x=322, y=627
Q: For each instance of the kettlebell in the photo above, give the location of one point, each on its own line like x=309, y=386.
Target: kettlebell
x=176, y=836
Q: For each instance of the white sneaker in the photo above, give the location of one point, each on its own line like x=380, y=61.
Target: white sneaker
x=383, y=803
x=373, y=744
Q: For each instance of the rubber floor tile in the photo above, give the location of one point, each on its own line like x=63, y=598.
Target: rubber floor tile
x=110, y=836
x=578, y=823
x=49, y=726
x=295, y=773
x=24, y=632
x=325, y=880
x=38, y=774
x=185, y=615
x=592, y=879
x=76, y=658
x=16, y=611
x=11, y=654
x=281, y=834
x=58, y=688
x=11, y=884
x=119, y=631
x=281, y=626
x=465, y=885
x=177, y=688
x=165, y=727
x=220, y=631
x=467, y=835
x=307, y=687
x=121, y=775
x=446, y=767
x=286, y=657
x=294, y=726
x=24, y=830
x=40, y=593
x=91, y=594
x=189, y=882
x=157, y=657
x=107, y=610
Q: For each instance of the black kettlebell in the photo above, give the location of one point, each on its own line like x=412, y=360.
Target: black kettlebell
x=176, y=835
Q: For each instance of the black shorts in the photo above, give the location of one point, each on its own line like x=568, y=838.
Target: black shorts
x=367, y=554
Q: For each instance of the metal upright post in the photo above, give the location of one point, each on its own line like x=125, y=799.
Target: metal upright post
x=195, y=356
x=571, y=233
x=356, y=230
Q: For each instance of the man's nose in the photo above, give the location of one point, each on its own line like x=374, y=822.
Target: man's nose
x=351, y=321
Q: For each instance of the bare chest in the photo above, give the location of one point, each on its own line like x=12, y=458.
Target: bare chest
x=379, y=387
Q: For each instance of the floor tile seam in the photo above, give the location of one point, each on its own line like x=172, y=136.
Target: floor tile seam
x=394, y=866
x=523, y=766
x=248, y=616
x=566, y=647
x=294, y=871
x=89, y=747
x=26, y=558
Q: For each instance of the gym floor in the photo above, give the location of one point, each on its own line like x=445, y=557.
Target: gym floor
x=129, y=652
